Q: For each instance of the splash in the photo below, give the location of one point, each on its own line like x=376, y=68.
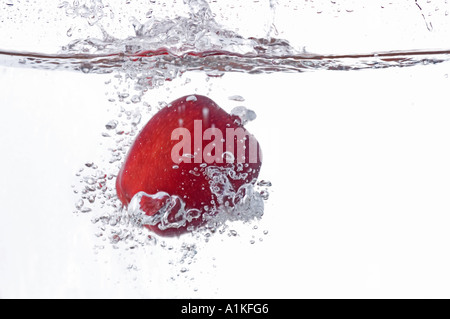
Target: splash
x=197, y=32
x=163, y=48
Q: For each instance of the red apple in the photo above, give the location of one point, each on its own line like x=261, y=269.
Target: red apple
x=190, y=153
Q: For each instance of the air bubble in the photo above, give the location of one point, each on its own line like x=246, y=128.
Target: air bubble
x=123, y=95
x=79, y=204
x=228, y=157
x=233, y=233
x=136, y=119
x=215, y=74
x=86, y=68
x=91, y=199
x=264, y=195
x=135, y=99
x=90, y=181
x=85, y=210
x=111, y=125
x=237, y=98
x=246, y=115
x=194, y=173
x=264, y=183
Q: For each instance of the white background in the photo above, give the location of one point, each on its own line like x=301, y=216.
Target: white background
x=359, y=206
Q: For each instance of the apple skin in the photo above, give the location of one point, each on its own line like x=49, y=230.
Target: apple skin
x=150, y=166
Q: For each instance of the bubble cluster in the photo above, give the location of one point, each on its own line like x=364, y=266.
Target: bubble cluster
x=244, y=114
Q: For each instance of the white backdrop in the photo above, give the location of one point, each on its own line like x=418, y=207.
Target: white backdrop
x=359, y=206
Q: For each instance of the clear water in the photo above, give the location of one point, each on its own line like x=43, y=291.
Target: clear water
x=354, y=180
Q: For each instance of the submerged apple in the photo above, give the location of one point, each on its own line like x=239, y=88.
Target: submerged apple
x=188, y=160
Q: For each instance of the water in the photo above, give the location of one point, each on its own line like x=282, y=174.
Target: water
x=350, y=201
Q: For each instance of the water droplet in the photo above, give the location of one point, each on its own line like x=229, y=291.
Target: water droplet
x=69, y=32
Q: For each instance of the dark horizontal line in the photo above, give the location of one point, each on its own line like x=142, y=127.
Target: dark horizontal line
x=163, y=51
